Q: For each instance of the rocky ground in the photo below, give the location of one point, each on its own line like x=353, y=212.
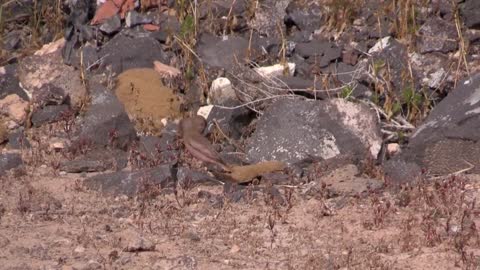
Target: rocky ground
x=239, y=134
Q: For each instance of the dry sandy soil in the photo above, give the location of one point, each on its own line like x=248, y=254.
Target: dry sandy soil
x=51, y=221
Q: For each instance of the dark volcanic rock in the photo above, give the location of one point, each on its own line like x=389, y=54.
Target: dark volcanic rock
x=218, y=53
x=17, y=140
x=187, y=177
x=134, y=18
x=156, y=150
x=86, y=57
x=77, y=29
x=151, y=145
x=90, y=55
x=306, y=17
x=301, y=83
x=220, y=9
x=432, y=69
x=49, y=95
x=319, y=52
x=97, y=160
x=399, y=172
x=470, y=11
x=444, y=8
x=292, y=130
x=232, y=121
x=9, y=161
x=448, y=140
x=348, y=76
x=438, y=35
x=106, y=122
x=49, y=114
x=124, y=52
x=112, y=25
x=131, y=183
x=84, y=165
x=170, y=24
x=9, y=83
x=12, y=40
x=161, y=36
x=267, y=16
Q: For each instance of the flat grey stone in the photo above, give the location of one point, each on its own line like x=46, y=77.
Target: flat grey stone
x=130, y=183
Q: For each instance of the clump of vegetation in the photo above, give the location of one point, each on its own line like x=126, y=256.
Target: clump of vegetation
x=341, y=13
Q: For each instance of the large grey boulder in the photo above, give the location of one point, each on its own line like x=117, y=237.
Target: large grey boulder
x=218, y=53
x=291, y=130
x=125, y=52
x=448, y=140
x=106, y=122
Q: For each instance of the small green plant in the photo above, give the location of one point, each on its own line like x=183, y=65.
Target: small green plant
x=187, y=29
x=396, y=108
x=413, y=101
x=189, y=74
x=401, y=137
x=346, y=92
x=187, y=15
x=378, y=65
x=375, y=98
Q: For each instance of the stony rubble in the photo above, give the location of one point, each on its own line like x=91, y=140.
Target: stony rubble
x=363, y=57
x=326, y=100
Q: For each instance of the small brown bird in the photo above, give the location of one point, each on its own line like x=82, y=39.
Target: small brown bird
x=200, y=147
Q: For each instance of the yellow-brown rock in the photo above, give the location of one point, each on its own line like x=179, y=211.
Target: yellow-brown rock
x=146, y=100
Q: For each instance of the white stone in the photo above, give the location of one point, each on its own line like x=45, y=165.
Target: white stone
x=164, y=121
x=221, y=91
x=275, y=70
x=380, y=45
x=205, y=111
x=435, y=79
